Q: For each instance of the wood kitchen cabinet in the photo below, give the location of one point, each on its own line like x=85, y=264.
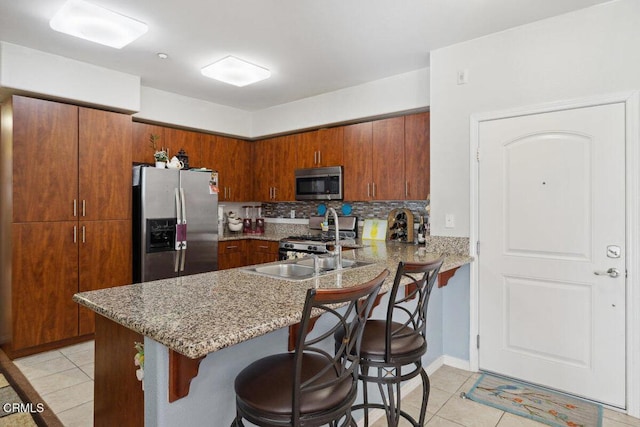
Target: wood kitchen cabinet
x=104, y=165
x=191, y=142
x=374, y=160
x=232, y=159
x=387, y=159
x=231, y=254
x=319, y=148
x=169, y=138
x=417, y=157
x=104, y=261
x=261, y=251
x=87, y=172
x=77, y=240
x=358, y=172
x=141, y=150
x=45, y=159
x=273, y=170
x=45, y=277
x=243, y=252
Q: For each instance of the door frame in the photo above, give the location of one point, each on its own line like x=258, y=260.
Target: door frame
x=631, y=100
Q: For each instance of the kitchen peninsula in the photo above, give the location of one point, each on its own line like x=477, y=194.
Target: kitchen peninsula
x=200, y=331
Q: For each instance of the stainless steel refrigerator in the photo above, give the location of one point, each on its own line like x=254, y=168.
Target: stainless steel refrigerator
x=175, y=223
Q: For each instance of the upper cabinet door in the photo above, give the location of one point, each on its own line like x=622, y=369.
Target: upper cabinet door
x=45, y=160
x=318, y=148
x=105, y=165
x=232, y=159
x=330, y=146
x=307, y=150
x=284, y=165
x=417, y=159
x=388, y=159
x=141, y=149
x=274, y=162
x=191, y=142
x=357, y=162
x=263, y=161
x=237, y=163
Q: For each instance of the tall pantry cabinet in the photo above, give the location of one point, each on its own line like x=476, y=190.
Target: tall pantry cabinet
x=66, y=204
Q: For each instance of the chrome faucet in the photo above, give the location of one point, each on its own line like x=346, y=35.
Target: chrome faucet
x=316, y=264
x=337, y=250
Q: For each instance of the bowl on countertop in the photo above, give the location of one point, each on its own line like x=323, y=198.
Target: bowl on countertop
x=234, y=225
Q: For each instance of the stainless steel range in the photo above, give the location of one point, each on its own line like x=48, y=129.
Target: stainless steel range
x=316, y=241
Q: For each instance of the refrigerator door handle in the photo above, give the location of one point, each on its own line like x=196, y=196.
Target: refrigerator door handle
x=178, y=243
x=176, y=258
x=183, y=256
x=184, y=221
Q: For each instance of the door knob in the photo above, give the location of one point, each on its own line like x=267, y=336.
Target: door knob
x=612, y=272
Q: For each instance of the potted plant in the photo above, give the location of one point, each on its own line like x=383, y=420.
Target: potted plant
x=159, y=155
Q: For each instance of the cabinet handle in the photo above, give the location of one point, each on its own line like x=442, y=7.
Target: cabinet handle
x=368, y=189
x=75, y=234
x=229, y=193
x=83, y=235
x=275, y=193
x=373, y=186
x=75, y=208
x=263, y=247
x=231, y=247
x=84, y=205
x=406, y=189
x=319, y=157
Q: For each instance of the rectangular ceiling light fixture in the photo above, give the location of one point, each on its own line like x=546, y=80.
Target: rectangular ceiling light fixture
x=235, y=71
x=97, y=24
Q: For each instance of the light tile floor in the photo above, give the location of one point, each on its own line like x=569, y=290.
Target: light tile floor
x=64, y=379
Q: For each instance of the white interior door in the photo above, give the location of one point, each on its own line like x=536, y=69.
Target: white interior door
x=551, y=214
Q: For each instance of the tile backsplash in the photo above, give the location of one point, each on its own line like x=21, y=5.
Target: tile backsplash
x=362, y=210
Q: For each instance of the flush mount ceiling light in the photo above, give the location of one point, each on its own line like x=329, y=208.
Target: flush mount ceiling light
x=97, y=24
x=235, y=71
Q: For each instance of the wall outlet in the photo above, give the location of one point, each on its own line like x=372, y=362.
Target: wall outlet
x=449, y=221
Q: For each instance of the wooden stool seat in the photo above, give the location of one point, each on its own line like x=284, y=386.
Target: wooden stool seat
x=265, y=386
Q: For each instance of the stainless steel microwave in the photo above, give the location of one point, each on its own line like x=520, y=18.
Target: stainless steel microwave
x=319, y=183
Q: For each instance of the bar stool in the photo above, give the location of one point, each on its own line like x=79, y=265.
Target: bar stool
x=399, y=342
x=311, y=386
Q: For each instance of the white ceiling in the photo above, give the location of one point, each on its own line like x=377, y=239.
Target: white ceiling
x=310, y=46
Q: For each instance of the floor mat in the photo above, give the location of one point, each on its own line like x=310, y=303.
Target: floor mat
x=539, y=404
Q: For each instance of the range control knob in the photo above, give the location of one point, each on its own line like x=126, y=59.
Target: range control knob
x=312, y=248
x=288, y=245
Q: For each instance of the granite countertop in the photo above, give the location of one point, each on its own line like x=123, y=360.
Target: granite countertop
x=274, y=235
x=199, y=314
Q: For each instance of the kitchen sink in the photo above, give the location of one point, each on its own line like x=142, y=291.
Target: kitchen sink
x=327, y=263
x=285, y=270
x=302, y=269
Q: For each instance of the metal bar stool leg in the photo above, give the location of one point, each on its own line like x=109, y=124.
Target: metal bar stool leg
x=426, y=389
